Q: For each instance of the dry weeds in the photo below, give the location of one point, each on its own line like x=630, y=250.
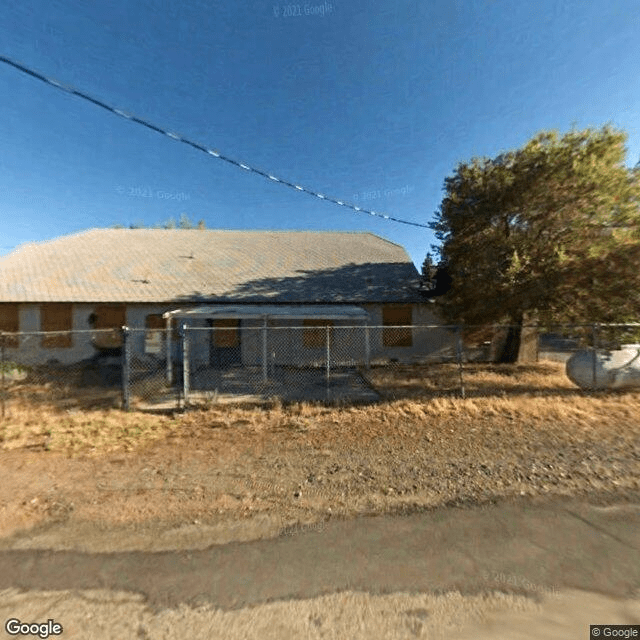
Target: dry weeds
x=520, y=430
x=531, y=394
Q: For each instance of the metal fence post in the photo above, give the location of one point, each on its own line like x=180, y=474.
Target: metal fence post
x=169, y=348
x=126, y=369
x=328, y=360
x=2, y=367
x=367, y=348
x=265, y=357
x=595, y=347
x=185, y=364
x=459, y=354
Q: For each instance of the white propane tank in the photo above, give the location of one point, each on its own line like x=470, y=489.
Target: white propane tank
x=619, y=369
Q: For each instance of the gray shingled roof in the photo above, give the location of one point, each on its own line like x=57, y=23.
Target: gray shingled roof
x=158, y=265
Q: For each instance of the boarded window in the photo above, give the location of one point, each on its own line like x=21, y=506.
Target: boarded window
x=226, y=333
x=56, y=317
x=155, y=321
x=397, y=315
x=155, y=333
x=316, y=335
x=108, y=316
x=10, y=321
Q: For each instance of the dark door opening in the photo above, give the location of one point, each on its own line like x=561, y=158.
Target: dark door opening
x=224, y=347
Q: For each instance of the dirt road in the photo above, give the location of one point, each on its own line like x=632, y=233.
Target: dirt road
x=532, y=566
x=284, y=522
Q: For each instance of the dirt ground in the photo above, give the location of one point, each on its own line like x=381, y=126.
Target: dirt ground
x=109, y=615
x=523, y=568
x=243, y=473
x=80, y=478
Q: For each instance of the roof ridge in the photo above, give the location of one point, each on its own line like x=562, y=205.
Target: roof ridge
x=395, y=244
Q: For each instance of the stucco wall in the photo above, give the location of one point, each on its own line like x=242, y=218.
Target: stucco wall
x=287, y=346
x=31, y=350
x=284, y=346
x=426, y=343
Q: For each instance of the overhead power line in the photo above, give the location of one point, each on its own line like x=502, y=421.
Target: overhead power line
x=200, y=147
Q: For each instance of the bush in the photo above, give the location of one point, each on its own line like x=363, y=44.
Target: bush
x=14, y=371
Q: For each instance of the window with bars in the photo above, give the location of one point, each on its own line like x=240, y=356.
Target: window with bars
x=56, y=316
x=397, y=315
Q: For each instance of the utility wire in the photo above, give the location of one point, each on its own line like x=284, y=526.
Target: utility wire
x=195, y=145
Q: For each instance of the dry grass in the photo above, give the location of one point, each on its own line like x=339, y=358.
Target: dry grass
x=520, y=431
x=72, y=431
x=60, y=420
x=480, y=380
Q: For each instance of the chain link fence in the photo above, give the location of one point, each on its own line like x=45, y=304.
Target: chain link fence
x=48, y=369
x=157, y=369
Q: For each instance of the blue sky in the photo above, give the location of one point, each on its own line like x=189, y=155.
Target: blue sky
x=372, y=102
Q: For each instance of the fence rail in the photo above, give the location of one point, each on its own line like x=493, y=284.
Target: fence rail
x=233, y=361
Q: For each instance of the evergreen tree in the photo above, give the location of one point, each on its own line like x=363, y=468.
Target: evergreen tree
x=551, y=230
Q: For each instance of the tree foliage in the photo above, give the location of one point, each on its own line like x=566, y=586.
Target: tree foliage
x=184, y=222
x=434, y=278
x=429, y=271
x=551, y=229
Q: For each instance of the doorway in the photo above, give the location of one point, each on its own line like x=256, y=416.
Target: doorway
x=224, y=346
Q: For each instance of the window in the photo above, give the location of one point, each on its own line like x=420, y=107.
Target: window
x=154, y=334
x=10, y=321
x=316, y=335
x=108, y=316
x=229, y=336
x=155, y=321
x=397, y=315
x=57, y=317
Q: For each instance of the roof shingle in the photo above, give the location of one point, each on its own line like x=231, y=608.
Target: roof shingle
x=158, y=265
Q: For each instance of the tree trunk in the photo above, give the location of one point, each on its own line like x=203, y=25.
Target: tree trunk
x=509, y=350
x=511, y=347
x=529, y=338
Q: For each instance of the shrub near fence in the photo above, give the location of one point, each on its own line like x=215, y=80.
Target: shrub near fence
x=40, y=368
x=200, y=366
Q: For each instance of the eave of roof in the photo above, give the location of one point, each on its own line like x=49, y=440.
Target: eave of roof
x=296, y=312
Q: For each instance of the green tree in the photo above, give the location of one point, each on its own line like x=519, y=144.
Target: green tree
x=434, y=278
x=548, y=231
x=429, y=270
x=186, y=223
x=183, y=223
